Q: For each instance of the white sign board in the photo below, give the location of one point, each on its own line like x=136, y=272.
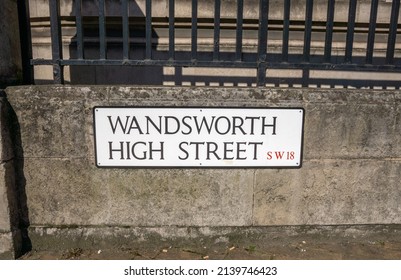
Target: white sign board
x=198, y=137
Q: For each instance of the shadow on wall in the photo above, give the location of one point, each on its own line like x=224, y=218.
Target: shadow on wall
x=15, y=179
x=190, y=76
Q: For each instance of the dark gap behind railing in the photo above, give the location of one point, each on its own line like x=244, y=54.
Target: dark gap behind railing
x=261, y=59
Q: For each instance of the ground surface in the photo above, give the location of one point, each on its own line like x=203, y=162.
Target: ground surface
x=301, y=249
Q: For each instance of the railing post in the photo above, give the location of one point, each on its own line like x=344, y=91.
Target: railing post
x=55, y=29
x=194, y=30
x=239, y=28
x=350, y=31
x=308, y=30
x=372, y=30
x=148, y=31
x=171, y=29
x=78, y=24
x=216, y=37
x=262, y=44
x=125, y=15
x=102, y=30
x=286, y=30
x=329, y=31
x=395, y=10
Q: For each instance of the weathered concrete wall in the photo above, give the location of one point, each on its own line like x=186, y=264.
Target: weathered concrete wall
x=351, y=171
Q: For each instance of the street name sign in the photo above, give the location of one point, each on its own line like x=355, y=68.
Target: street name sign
x=198, y=137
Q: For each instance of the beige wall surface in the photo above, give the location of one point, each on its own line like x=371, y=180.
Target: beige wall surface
x=350, y=173
x=350, y=176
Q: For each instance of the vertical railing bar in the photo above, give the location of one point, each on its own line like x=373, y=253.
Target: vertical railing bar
x=102, y=30
x=329, y=30
x=372, y=29
x=216, y=40
x=125, y=15
x=350, y=31
x=262, y=44
x=286, y=29
x=171, y=30
x=395, y=9
x=25, y=41
x=308, y=30
x=55, y=29
x=240, y=20
x=148, y=28
x=78, y=23
x=194, y=29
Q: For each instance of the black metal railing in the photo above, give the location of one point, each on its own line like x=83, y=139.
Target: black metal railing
x=262, y=59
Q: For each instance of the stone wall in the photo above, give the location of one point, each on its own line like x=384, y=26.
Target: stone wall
x=351, y=170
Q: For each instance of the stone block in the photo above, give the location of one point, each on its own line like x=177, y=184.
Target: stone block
x=350, y=124
x=8, y=204
x=75, y=192
x=350, y=131
x=6, y=246
x=55, y=124
x=329, y=192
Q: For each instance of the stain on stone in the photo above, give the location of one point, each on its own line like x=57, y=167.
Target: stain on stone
x=257, y=95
